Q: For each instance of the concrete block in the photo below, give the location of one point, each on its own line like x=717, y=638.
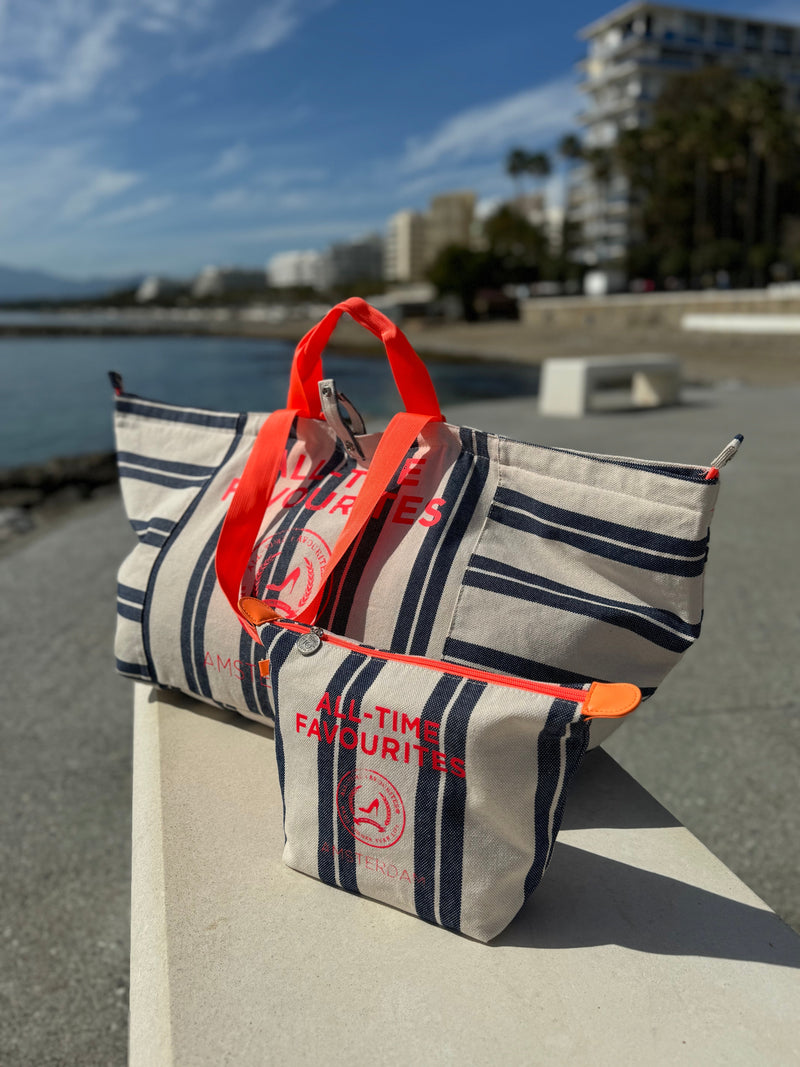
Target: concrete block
x=639, y=946
x=568, y=386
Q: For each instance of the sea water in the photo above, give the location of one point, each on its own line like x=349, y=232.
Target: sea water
x=56, y=400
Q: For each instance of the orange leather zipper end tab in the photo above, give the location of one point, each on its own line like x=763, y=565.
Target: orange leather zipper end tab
x=256, y=611
x=263, y=668
x=611, y=700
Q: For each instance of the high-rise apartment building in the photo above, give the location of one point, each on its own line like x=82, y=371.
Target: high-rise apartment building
x=449, y=221
x=405, y=247
x=631, y=53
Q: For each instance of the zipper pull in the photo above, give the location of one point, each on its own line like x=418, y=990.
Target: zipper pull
x=611, y=700
x=308, y=644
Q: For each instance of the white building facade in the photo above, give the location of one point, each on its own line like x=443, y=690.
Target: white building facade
x=631, y=53
x=292, y=270
x=404, y=259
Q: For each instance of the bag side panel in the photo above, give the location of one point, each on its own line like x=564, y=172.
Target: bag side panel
x=601, y=582
x=166, y=456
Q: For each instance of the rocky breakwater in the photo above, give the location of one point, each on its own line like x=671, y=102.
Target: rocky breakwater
x=31, y=496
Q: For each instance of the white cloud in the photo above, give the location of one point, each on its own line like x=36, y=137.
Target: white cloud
x=59, y=52
x=133, y=212
x=530, y=118
x=234, y=199
x=230, y=160
x=72, y=69
x=269, y=26
x=101, y=186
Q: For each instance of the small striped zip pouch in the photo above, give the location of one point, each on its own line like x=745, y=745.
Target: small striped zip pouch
x=435, y=788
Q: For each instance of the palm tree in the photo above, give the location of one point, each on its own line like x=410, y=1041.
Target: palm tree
x=538, y=164
x=570, y=147
x=516, y=166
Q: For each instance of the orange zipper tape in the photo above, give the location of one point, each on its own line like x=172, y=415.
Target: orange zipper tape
x=602, y=700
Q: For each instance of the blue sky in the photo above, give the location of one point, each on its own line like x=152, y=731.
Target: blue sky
x=162, y=135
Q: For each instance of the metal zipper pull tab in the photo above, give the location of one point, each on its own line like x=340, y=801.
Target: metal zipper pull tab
x=725, y=456
x=308, y=644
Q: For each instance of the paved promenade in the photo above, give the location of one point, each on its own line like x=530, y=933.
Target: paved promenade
x=719, y=744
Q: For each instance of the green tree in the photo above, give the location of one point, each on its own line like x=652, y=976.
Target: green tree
x=521, y=248
x=714, y=175
x=516, y=166
x=463, y=272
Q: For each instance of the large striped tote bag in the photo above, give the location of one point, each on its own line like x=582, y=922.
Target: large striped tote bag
x=429, y=539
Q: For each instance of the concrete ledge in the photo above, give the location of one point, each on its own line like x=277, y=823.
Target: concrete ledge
x=639, y=947
x=569, y=386
x=724, y=323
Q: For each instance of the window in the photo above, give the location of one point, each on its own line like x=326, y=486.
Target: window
x=725, y=33
x=782, y=40
x=753, y=37
x=694, y=27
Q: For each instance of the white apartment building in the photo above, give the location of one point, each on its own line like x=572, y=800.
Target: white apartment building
x=216, y=281
x=358, y=260
x=631, y=53
x=404, y=253
x=289, y=270
x=449, y=221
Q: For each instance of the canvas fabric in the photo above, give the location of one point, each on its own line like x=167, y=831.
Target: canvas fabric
x=540, y=563
x=438, y=794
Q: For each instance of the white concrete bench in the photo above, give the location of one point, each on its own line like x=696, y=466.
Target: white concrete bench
x=568, y=386
x=638, y=947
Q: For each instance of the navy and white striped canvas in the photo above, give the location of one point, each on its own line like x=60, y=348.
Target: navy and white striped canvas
x=438, y=794
x=514, y=558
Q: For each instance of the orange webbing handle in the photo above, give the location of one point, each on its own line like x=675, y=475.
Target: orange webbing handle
x=412, y=379
x=246, y=512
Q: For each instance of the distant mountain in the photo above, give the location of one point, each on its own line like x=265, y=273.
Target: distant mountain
x=16, y=284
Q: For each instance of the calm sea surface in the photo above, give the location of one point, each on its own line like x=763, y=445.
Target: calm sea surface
x=55, y=398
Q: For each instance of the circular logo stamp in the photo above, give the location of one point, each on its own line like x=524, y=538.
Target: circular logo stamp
x=287, y=590
x=370, y=808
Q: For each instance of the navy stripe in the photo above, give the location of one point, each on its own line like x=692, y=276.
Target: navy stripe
x=325, y=784
x=658, y=615
x=175, y=414
x=200, y=616
x=155, y=540
x=657, y=635
x=493, y=659
x=415, y=586
x=157, y=478
x=590, y=524
x=134, y=669
x=253, y=694
x=278, y=651
x=292, y=523
x=341, y=590
x=344, y=582
x=451, y=861
x=170, y=466
x=348, y=757
x=451, y=542
x=179, y=526
x=575, y=747
x=166, y=525
x=191, y=665
x=549, y=771
x=481, y=444
x=128, y=611
x=425, y=806
x=127, y=592
x=607, y=549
